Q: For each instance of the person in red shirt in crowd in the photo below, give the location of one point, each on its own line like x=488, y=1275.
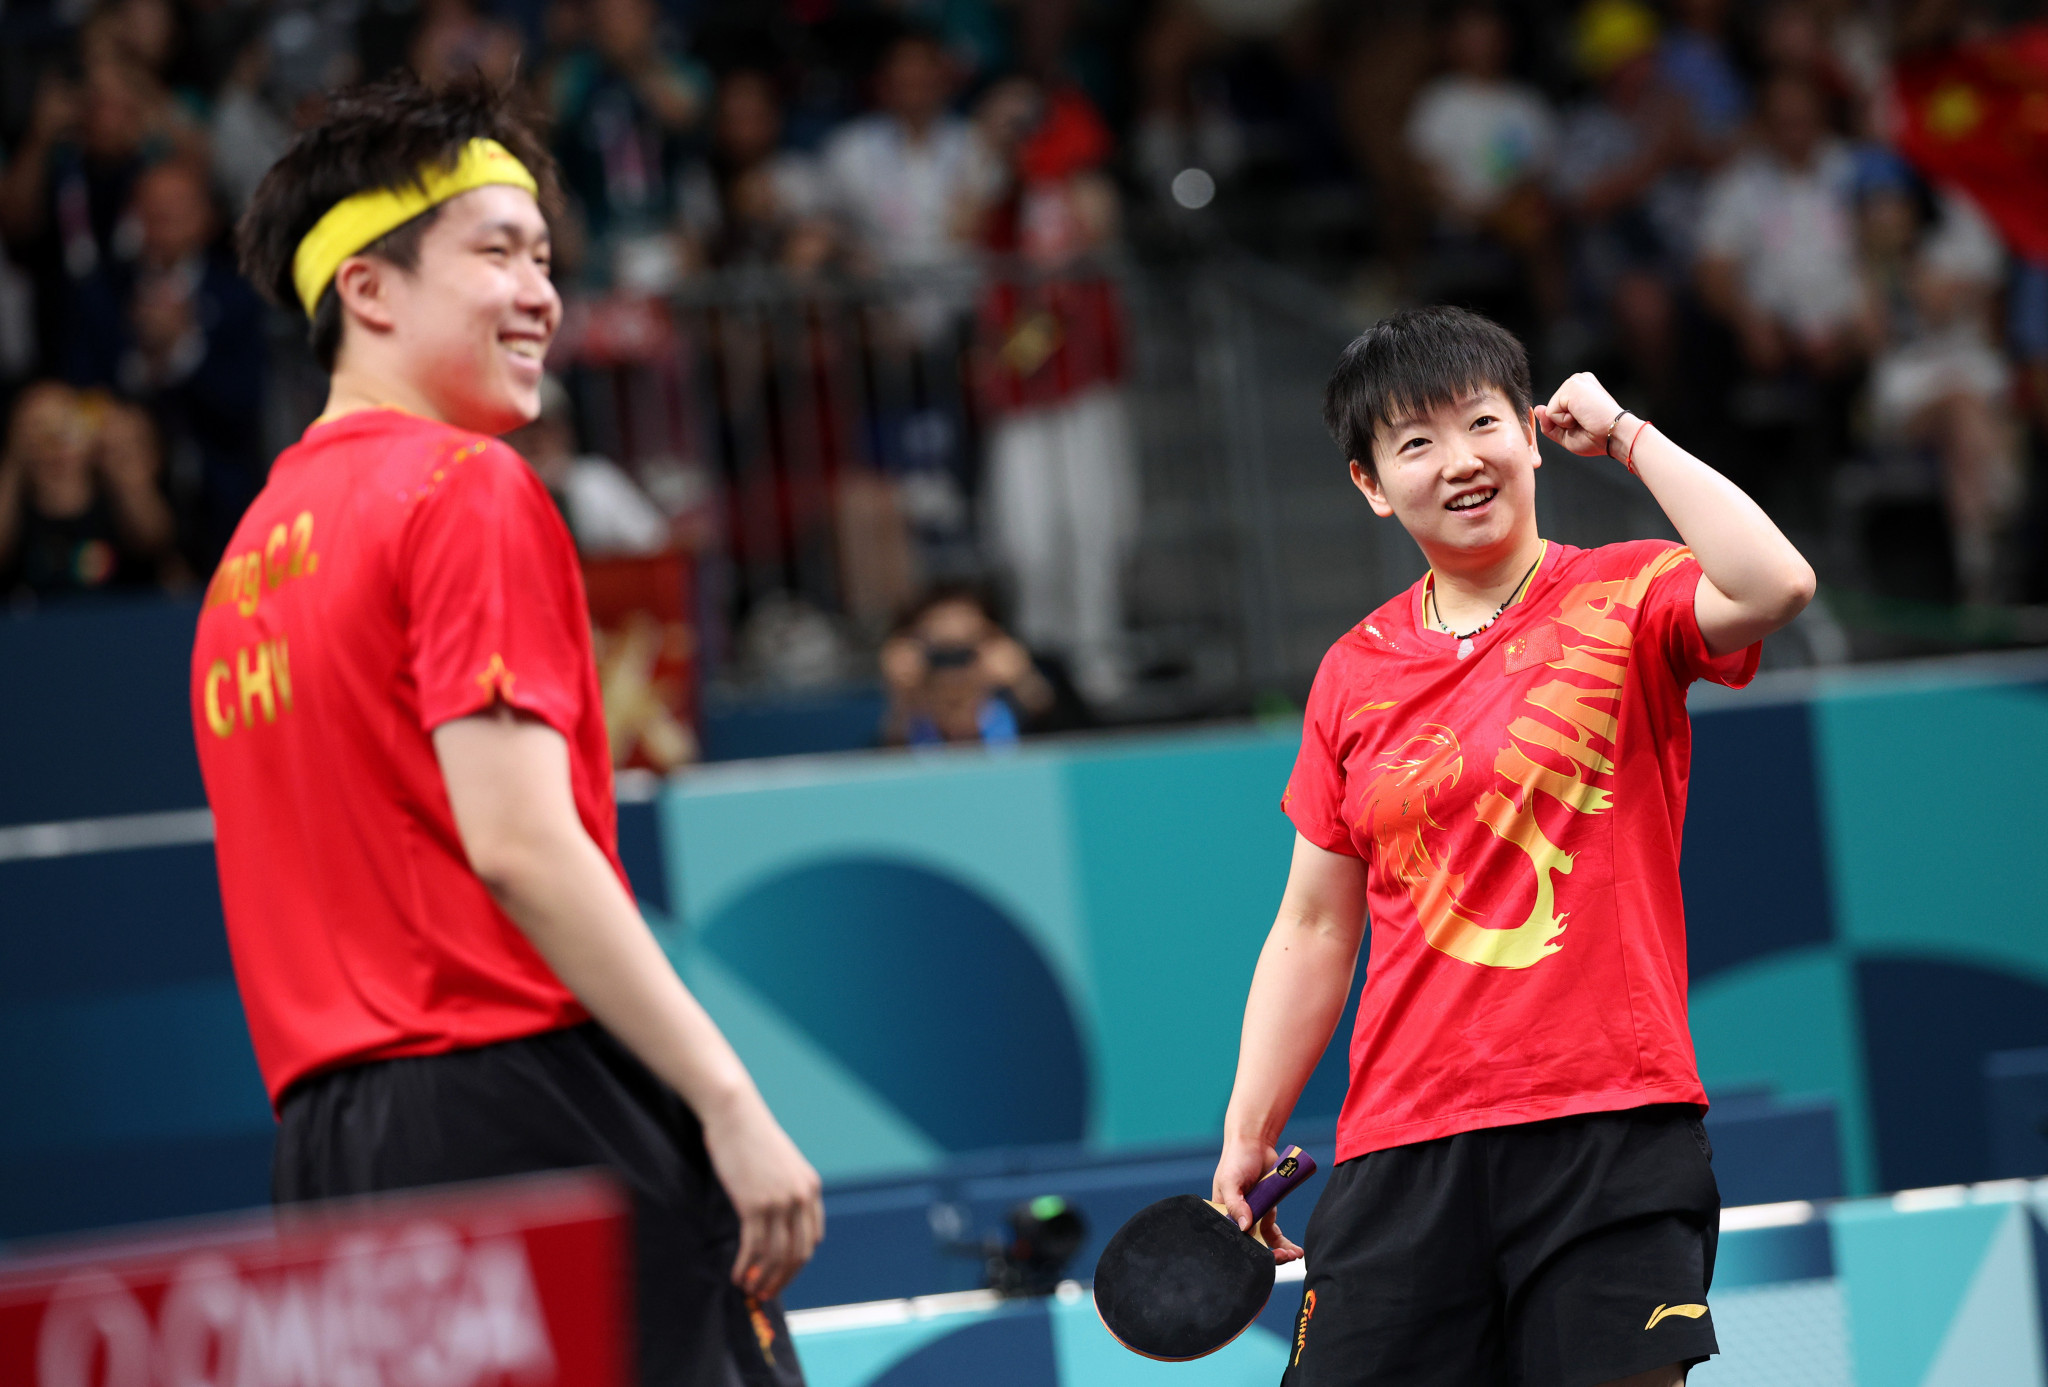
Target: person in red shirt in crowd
x=1493, y=767
x=399, y=723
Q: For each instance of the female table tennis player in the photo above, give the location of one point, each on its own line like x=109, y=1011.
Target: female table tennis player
x=404, y=746
x=1494, y=766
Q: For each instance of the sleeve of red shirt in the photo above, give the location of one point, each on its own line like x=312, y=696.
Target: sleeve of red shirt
x=1315, y=791
x=1669, y=620
x=495, y=595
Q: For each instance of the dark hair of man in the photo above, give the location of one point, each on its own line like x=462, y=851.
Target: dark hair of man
x=376, y=136
x=945, y=594
x=1419, y=359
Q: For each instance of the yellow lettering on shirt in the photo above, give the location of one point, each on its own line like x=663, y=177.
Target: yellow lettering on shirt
x=242, y=579
x=252, y=681
x=1590, y=715
x=221, y=720
x=262, y=672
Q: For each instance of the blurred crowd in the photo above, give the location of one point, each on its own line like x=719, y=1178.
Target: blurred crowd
x=1701, y=198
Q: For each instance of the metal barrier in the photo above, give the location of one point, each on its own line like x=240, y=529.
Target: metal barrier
x=831, y=441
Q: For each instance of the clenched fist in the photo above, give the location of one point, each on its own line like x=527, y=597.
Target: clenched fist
x=1580, y=416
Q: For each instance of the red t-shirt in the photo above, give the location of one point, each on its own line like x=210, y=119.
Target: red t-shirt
x=1519, y=809
x=395, y=573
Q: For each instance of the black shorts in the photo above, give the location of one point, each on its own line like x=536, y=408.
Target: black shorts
x=562, y=1100
x=1565, y=1253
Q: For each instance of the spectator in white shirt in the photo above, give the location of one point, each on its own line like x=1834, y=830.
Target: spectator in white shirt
x=1931, y=268
x=905, y=177
x=606, y=511
x=1778, y=241
x=1485, y=145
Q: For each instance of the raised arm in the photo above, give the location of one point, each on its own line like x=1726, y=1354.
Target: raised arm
x=1297, y=997
x=508, y=783
x=1752, y=580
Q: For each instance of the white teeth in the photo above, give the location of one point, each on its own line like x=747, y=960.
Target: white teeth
x=1475, y=499
x=522, y=347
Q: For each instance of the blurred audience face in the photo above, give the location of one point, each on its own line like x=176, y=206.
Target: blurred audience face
x=114, y=115
x=623, y=30
x=1702, y=16
x=146, y=31
x=1793, y=38
x=1009, y=113
x=175, y=211
x=916, y=82
x=1794, y=123
x=1631, y=81
x=749, y=121
x=1889, y=222
x=1477, y=44
x=51, y=440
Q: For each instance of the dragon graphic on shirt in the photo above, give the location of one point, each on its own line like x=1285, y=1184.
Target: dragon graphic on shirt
x=1563, y=754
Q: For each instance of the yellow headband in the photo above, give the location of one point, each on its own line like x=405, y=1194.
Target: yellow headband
x=356, y=221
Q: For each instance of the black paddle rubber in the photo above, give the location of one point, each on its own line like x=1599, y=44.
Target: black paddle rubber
x=1180, y=1280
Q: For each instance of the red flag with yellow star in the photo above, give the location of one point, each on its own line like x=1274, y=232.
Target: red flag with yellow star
x=1975, y=117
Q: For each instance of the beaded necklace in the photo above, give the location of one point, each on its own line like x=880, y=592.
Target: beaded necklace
x=1464, y=638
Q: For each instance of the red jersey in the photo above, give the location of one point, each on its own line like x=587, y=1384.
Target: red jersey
x=395, y=573
x=1519, y=805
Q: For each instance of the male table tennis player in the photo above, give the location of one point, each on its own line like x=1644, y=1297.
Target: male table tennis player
x=1494, y=766
x=404, y=746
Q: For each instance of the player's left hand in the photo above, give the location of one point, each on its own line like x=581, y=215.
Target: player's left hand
x=1579, y=416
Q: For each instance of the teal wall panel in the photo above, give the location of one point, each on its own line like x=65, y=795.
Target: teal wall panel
x=1787, y=1023
x=1907, y=1276
x=1995, y=1338
x=1181, y=853
x=1932, y=802
x=1145, y=871
x=997, y=824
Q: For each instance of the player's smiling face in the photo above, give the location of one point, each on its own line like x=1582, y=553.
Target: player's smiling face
x=1460, y=477
x=475, y=318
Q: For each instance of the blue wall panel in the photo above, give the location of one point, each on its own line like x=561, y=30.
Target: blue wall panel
x=94, y=711
x=1755, y=873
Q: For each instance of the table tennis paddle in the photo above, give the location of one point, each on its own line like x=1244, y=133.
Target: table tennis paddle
x=1181, y=1280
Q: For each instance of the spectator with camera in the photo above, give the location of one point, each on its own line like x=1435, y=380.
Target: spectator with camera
x=954, y=675
x=79, y=507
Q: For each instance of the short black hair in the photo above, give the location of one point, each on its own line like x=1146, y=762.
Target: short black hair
x=1420, y=358
x=377, y=136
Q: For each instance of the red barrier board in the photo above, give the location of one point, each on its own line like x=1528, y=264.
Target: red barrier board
x=517, y=1282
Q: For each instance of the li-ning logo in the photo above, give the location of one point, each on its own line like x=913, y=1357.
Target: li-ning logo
x=1285, y=1170
x=1308, y=1311
x=1665, y=1312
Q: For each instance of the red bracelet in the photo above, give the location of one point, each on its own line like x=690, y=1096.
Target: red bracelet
x=1630, y=461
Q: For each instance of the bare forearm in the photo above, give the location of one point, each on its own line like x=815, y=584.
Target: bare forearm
x=1297, y=996
x=563, y=894
x=1752, y=580
x=143, y=518
x=1740, y=550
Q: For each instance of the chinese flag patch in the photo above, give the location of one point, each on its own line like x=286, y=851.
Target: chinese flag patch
x=1533, y=647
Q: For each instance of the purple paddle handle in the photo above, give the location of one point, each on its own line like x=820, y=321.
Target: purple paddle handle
x=1295, y=1166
